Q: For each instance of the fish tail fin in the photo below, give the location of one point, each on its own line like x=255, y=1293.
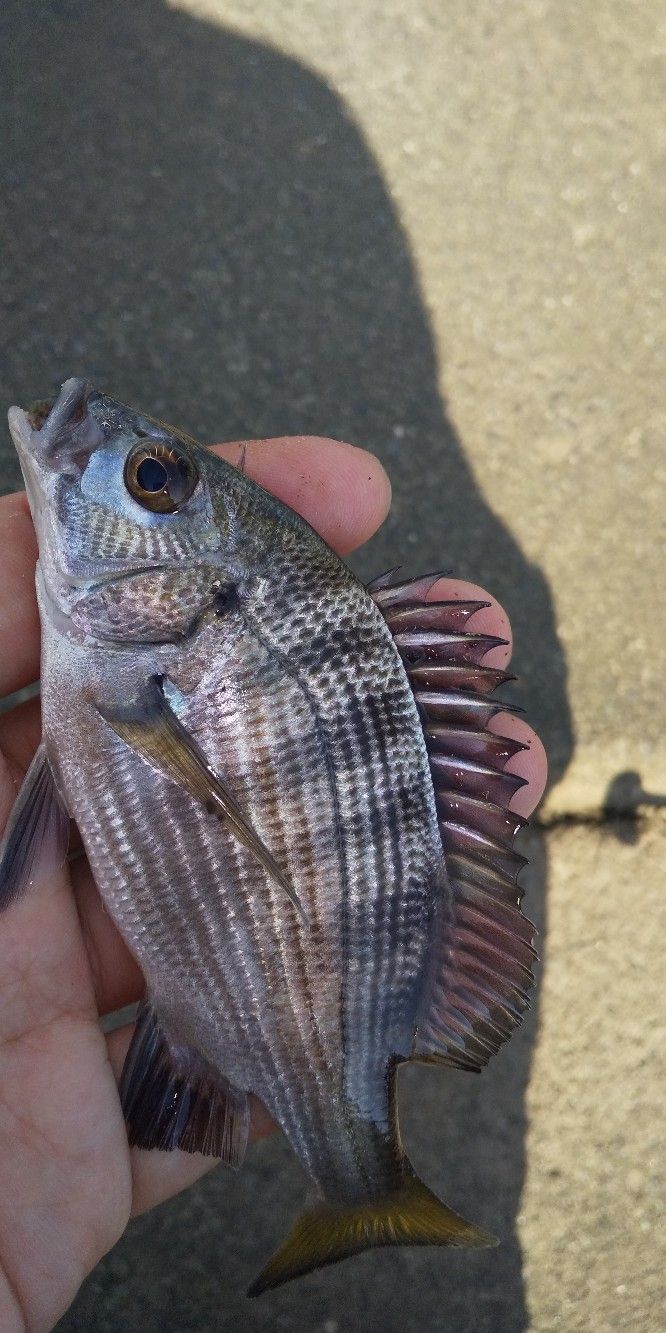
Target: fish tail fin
x=326, y=1233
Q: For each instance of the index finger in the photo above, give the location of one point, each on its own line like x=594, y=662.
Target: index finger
x=341, y=490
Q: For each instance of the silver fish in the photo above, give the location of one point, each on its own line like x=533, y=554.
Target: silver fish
x=292, y=806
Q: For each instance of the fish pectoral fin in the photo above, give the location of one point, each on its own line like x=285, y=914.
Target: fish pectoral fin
x=327, y=1233
x=156, y=734
x=172, y=1098
x=35, y=840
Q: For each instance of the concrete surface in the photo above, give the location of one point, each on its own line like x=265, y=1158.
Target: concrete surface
x=591, y=1221
x=438, y=230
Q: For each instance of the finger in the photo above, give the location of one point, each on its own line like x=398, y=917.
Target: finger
x=20, y=734
x=341, y=490
x=19, y=621
x=117, y=977
x=530, y=763
x=159, y=1175
x=491, y=619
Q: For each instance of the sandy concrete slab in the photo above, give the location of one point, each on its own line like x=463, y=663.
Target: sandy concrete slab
x=591, y=1221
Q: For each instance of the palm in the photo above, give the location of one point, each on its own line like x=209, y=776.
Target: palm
x=65, y=1177
x=68, y=1181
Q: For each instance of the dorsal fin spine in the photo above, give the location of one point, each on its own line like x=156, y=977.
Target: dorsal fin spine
x=480, y=969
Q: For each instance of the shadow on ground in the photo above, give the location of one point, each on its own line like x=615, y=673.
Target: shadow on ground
x=197, y=224
x=625, y=803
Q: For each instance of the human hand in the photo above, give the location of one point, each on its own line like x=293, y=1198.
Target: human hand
x=68, y=1181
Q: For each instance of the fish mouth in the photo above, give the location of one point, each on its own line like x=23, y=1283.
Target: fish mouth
x=69, y=432
x=38, y=411
x=54, y=437
x=61, y=433
x=50, y=418
x=56, y=434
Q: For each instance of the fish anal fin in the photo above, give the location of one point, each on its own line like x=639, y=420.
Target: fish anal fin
x=479, y=972
x=327, y=1233
x=37, y=832
x=171, y=1098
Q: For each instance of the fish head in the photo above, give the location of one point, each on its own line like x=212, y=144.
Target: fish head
x=131, y=543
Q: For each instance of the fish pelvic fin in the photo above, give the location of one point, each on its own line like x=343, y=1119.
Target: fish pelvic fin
x=327, y=1233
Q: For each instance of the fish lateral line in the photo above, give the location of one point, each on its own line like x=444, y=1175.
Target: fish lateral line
x=157, y=735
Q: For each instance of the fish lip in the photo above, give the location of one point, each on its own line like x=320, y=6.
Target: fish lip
x=39, y=426
x=48, y=442
x=32, y=468
x=56, y=436
x=74, y=395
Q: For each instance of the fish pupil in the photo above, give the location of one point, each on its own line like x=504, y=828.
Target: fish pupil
x=152, y=475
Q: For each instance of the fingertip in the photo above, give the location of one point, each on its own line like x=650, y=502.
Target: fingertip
x=530, y=763
x=364, y=499
x=341, y=490
x=490, y=619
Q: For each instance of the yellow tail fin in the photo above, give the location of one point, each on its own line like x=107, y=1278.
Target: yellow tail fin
x=413, y=1215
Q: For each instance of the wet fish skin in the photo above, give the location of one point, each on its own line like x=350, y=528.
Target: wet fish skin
x=282, y=674
x=272, y=712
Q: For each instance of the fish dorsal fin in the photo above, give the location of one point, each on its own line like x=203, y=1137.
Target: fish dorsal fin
x=37, y=832
x=153, y=731
x=480, y=972
x=172, y=1098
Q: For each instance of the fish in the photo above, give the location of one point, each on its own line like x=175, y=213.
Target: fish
x=291, y=802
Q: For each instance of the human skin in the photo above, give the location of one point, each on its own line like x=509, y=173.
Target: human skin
x=68, y=1181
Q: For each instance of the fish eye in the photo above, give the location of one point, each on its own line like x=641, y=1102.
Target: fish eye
x=160, y=476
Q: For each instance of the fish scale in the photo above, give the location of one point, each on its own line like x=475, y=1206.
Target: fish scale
x=311, y=687
x=392, y=894
x=299, y=1009
x=293, y=807
x=193, y=942
x=270, y=801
